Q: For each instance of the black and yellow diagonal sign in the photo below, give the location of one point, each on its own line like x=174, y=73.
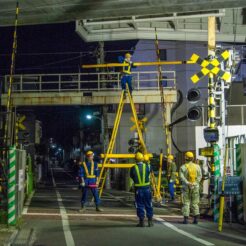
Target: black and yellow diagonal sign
x=210, y=67
x=19, y=123
x=141, y=124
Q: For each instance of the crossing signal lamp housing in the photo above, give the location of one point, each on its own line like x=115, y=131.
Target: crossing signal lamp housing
x=194, y=113
x=211, y=135
x=134, y=145
x=193, y=95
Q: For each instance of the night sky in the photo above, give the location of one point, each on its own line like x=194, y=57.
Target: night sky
x=55, y=48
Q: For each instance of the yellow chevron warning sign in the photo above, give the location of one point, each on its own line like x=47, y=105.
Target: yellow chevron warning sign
x=210, y=67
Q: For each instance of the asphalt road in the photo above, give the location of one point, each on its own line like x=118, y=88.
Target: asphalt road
x=51, y=217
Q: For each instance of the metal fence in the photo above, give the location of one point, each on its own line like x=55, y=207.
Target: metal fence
x=110, y=81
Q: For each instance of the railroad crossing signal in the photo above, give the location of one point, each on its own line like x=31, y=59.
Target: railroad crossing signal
x=210, y=66
x=141, y=123
x=19, y=123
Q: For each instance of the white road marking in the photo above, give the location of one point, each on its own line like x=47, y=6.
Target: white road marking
x=27, y=204
x=65, y=222
x=100, y=215
x=171, y=226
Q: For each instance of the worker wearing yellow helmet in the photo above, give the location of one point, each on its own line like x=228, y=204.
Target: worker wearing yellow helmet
x=146, y=159
x=140, y=174
x=89, y=174
x=190, y=175
x=171, y=175
x=126, y=75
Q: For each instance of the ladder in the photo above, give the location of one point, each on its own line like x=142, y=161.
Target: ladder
x=104, y=170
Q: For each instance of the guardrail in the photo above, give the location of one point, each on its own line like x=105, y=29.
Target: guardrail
x=110, y=81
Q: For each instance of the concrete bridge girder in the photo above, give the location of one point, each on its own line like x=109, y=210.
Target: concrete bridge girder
x=87, y=98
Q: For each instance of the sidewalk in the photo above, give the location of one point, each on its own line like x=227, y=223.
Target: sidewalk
x=6, y=234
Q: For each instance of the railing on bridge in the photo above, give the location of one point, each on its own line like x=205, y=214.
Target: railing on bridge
x=110, y=81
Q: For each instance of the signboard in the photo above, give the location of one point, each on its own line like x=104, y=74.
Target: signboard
x=233, y=185
x=206, y=151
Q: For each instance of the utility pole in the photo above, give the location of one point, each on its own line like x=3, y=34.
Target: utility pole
x=215, y=160
x=101, y=60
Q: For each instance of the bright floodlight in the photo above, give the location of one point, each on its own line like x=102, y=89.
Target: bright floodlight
x=88, y=116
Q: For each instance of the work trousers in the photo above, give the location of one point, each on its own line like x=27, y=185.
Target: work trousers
x=126, y=79
x=143, y=201
x=191, y=199
x=94, y=192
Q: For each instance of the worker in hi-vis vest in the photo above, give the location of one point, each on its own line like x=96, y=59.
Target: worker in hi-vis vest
x=89, y=174
x=140, y=174
x=190, y=175
x=126, y=75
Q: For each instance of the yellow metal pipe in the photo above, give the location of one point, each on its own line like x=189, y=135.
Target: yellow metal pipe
x=125, y=156
x=138, y=64
x=159, y=175
x=117, y=165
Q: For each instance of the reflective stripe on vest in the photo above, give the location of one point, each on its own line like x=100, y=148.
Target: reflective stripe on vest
x=92, y=170
x=127, y=68
x=141, y=182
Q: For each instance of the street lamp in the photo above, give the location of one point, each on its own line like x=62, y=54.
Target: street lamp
x=89, y=116
x=94, y=116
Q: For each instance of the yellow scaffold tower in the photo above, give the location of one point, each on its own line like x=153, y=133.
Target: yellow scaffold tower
x=109, y=154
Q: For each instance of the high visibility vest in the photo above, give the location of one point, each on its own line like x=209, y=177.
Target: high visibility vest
x=127, y=68
x=91, y=175
x=192, y=172
x=141, y=181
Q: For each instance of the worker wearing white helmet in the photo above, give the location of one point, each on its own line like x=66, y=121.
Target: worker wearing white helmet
x=190, y=175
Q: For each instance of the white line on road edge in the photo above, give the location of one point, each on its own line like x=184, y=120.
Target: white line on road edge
x=65, y=222
x=204, y=242
x=27, y=204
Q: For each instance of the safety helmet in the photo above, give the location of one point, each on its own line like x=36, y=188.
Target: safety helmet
x=88, y=153
x=170, y=157
x=139, y=156
x=128, y=55
x=146, y=157
x=189, y=155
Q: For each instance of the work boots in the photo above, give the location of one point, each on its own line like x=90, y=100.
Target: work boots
x=150, y=222
x=195, y=220
x=98, y=209
x=185, y=221
x=141, y=223
x=82, y=209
